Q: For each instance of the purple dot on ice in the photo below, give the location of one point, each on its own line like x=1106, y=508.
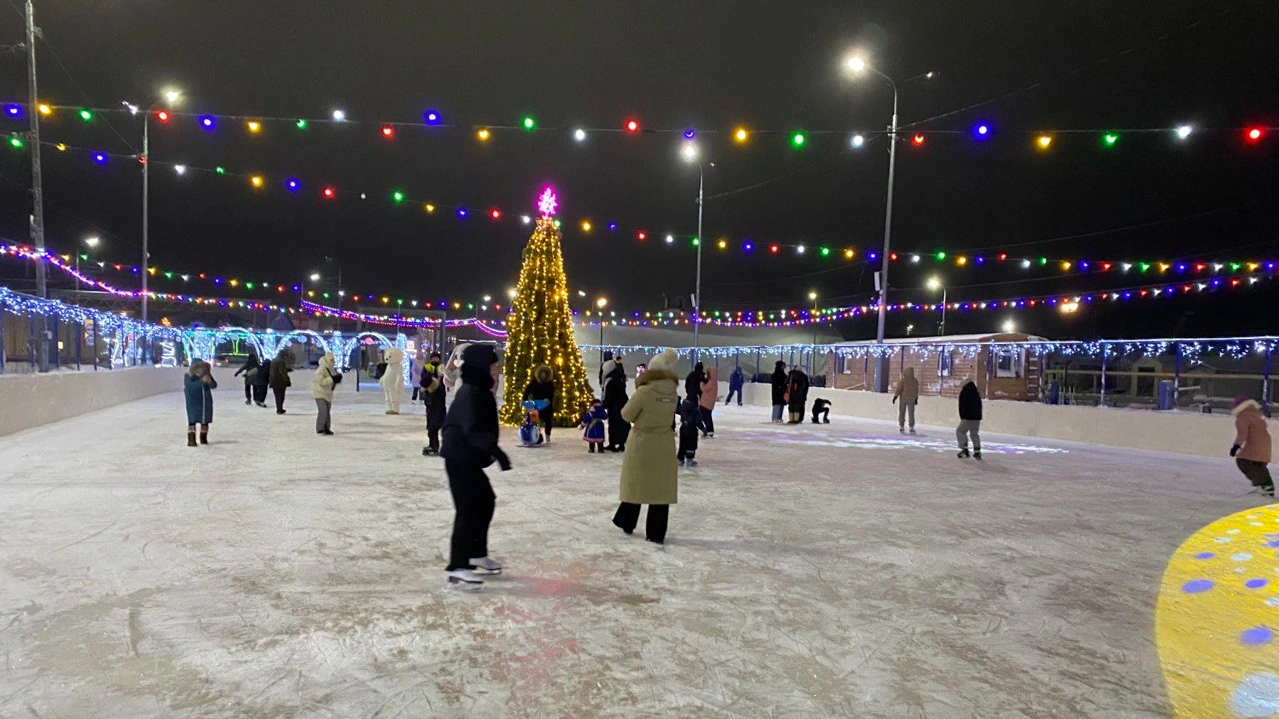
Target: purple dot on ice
x=1205, y=555
x=1195, y=586
x=1255, y=636
x=1255, y=583
x=1273, y=543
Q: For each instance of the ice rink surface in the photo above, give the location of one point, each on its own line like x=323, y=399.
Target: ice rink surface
x=815, y=571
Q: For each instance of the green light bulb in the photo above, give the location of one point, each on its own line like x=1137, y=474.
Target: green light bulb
x=529, y=123
x=16, y=143
x=797, y=139
x=86, y=115
x=941, y=256
x=1110, y=139
x=301, y=124
x=1043, y=260
x=397, y=196
x=825, y=252
x=220, y=170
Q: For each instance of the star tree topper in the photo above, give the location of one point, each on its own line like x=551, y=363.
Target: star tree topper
x=547, y=203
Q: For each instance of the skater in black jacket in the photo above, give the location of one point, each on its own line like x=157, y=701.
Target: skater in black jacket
x=433, y=391
x=969, y=419
x=470, y=445
x=614, y=400
x=690, y=417
x=780, y=384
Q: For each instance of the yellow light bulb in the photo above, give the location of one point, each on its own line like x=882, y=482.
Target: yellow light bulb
x=45, y=109
x=586, y=226
x=254, y=126
x=256, y=181
x=483, y=134
x=741, y=135
x=1045, y=141
x=723, y=244
x=848, y=254
x=430, y=209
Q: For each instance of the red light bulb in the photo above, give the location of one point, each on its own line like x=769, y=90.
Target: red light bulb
x=642, y=236
x=632, y=126
x=917, y=139
x=1254, y=134
x=330, y=193
x=773, y=249
x=495, y=213
x=388, y=131
x=162, y=116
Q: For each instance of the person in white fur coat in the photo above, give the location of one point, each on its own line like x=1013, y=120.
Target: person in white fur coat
x=393, y=380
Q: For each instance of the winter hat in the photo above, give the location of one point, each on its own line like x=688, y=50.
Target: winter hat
x=1243, y=402
x=478, y=355
x=666, y=360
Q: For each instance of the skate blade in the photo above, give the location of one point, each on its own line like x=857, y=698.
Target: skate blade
x=463, y=585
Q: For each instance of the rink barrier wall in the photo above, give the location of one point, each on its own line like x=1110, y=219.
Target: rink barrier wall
x=1205, y=435
x=31, y=400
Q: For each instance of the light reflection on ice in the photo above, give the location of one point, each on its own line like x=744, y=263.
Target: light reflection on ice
x=870, y=441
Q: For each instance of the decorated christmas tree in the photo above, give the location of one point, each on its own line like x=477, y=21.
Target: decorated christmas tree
x=540, y=331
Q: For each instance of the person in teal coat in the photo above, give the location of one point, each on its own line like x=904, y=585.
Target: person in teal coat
x=199, y=386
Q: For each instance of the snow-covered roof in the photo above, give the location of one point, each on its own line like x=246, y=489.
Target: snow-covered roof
x=952, y=339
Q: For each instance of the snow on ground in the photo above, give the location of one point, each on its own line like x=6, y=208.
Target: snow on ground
x=814, y=571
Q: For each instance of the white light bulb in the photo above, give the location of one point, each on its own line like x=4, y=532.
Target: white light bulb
x=670, y=239
x=1184, y=131
x=857, y=141
x=579, y=134
x=526, y=219
x=339, y=116
x=180, y=169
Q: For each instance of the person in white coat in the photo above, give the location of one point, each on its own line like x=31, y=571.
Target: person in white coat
x=322, y=385
x=393, y=380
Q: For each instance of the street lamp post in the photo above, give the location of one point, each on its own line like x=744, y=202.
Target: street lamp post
x=92, y=242
x=691, y=155
x=172, y=97
x=601, y=303
x=812, y=296
x=859, y=65
x=935, y=284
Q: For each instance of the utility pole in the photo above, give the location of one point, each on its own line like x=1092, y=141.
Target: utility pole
x=37, y=187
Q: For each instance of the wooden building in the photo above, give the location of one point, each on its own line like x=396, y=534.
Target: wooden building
x=941, y=364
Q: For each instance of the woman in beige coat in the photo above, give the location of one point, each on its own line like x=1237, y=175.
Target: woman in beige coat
x=649, y=473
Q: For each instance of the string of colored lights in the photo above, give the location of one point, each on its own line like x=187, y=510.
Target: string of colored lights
x=747, y=246
x=758, y=318
x=1067, y=303
x=434, y=120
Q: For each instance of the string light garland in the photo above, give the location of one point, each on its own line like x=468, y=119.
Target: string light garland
x=293, y=185
x=432, y=120
x=540, y=330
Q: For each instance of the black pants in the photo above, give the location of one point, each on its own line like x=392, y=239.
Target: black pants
x=627, y=517
x=618, y=430
x=824, y=413
x=279, y=398
x=248, y=391
x=473, y=501
x=687, y=448
x=1256, y=472
x=707, y=421
x=259, y=393
x=548, y=419
x=433, y=441
x=734, y=391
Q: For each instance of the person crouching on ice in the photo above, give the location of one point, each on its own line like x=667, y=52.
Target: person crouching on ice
x=470, y=445
x=1251, y=449
x=593, y=427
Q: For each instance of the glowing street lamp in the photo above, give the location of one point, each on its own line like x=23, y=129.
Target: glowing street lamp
x=934, y=284
x=173, y=96
x=858, y=65
x=691, y=155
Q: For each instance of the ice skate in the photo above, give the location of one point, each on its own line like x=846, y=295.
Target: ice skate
x=901, y=430
x=248, y=402
x=191, y=439
x=963, y=453
x=977, y=454
x=261, y=404
x=691, y=463
x=484, y=564
x=465, y=578
x=680, y=462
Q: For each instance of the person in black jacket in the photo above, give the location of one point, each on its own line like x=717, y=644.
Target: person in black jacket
x=435, y=394
x=470, y=445
x=542, y=386
x=969, y=419
x=797, y=394
x=250, y=370
x=780, y=386
x=614, y=400
x=693, y=382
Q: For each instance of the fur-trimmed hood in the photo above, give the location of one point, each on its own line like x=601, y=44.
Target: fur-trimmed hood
x=543, y=373
x=1245, y=406
x=656, y=374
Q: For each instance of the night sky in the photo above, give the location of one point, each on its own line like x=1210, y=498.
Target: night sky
x=711, y=65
